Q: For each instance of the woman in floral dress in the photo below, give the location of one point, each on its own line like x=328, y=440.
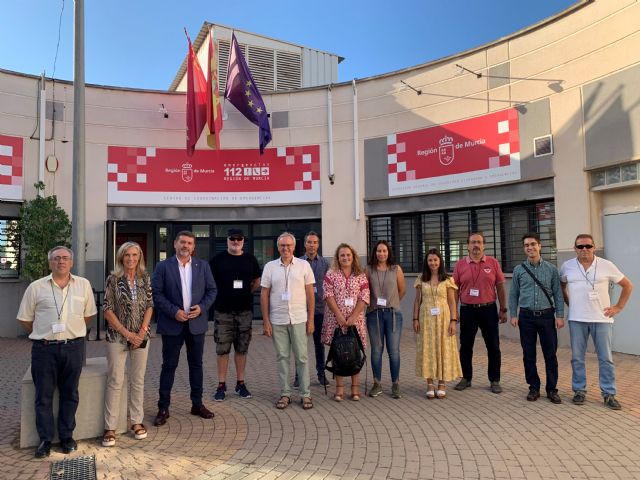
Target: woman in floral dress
x=346, y=294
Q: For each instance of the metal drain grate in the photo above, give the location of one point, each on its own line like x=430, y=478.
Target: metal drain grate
x=78, y=468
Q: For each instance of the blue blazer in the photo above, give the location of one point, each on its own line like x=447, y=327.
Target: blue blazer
x=167, y=295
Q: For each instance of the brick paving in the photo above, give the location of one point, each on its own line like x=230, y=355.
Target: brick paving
x=472, y=434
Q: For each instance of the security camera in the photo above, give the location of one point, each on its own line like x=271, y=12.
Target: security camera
x=332, y=179
x=163, y=111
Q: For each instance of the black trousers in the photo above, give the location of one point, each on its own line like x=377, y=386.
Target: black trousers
x=171, y=346
x=485, y=318
x=56, y=366
x=318, y=320
x=544, y=326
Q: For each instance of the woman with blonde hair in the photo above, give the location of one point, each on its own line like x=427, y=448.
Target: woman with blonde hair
x=128, y=306
x=346, y=294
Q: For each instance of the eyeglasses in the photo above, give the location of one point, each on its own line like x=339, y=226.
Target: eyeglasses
x=580, y=247
x=61, y=259
x=236, y=239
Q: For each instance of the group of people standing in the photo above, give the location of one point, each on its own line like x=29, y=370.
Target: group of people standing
x=308, y=296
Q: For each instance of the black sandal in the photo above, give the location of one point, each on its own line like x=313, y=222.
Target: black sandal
x=283, y=402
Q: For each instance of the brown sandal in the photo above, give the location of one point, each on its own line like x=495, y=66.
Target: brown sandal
x=109, y=438
x=307, y=403
x=339, y=395
x=283, y=402
x=139, y=431
x=355, y=393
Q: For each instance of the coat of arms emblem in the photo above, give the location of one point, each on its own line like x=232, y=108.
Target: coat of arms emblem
x=187, y=172
x=445, y=151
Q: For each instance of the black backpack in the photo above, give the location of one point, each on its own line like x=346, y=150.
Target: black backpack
x=346, y=354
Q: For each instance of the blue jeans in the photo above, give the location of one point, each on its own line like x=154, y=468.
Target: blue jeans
x=601, y=333
x=171, y=346
x=382, y=327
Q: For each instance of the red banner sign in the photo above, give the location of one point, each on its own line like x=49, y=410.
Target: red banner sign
x=479, y=151
x=155, y=176
x=11, y=178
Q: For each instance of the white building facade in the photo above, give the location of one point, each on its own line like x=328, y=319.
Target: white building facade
x=544, y=135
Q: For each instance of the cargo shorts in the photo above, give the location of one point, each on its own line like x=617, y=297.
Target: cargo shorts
x=232, y=328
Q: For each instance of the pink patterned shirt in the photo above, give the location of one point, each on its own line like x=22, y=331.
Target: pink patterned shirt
x=346, y=292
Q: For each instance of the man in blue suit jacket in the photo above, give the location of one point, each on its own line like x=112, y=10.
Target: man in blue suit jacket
x=183, y=290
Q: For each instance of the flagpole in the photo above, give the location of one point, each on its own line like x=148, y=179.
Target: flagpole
x=78, y=238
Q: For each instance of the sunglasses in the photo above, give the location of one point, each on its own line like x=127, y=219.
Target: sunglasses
x=580, y=247
x=236, y=239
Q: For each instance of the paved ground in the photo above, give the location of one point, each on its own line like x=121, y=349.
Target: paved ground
x=471, y=434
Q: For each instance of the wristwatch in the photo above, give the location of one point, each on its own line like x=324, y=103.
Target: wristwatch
x=503, y=310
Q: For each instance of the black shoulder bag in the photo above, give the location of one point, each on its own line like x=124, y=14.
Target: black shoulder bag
x=346, y=354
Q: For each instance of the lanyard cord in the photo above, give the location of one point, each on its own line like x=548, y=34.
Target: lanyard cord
x=586, y=275
x=434, y=291
x=286, y=277
x=384, y=279
x=59, y=312
x=475, y=279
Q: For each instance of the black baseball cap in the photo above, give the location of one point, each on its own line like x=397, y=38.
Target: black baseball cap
x=235, y=232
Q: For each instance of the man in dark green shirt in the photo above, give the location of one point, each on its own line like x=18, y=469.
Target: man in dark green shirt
x=535, y=288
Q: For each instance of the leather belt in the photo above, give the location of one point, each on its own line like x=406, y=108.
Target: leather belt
x=58, y=342
x=477, y=305
x=538, y=313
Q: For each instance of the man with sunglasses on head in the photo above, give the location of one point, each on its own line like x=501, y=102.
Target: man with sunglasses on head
x=585, y=285
x=237, y=275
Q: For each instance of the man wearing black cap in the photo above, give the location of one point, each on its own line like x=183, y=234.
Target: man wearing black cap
x=237, y=275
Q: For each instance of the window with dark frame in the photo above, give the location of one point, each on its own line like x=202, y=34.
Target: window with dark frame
x=9, y=250
x=412, y=235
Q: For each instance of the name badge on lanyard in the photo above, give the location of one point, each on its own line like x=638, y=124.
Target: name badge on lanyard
x=435, y=311
x=286, y=296
x=593, y=296
x=237, y=284
x=58, y=327
x=348, y=302
x=474, y=292
x=382, y=302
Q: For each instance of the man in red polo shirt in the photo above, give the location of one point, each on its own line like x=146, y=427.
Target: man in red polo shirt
x=480, y=279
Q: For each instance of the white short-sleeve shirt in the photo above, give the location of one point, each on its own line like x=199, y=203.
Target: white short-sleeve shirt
x=44, y=301
x=589, y=289
x=292, y=278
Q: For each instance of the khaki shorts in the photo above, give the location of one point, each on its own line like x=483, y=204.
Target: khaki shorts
x=232, y=328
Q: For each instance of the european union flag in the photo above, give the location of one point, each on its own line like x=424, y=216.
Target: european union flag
x=242, y=92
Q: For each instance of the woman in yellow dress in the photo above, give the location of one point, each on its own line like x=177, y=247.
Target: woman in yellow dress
x=435, y=320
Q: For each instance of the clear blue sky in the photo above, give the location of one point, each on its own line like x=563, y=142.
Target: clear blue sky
x=141, y=43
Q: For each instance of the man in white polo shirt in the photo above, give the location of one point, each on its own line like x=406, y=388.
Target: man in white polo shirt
x=585, y=285
x=55, y=310
x=287, y=305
